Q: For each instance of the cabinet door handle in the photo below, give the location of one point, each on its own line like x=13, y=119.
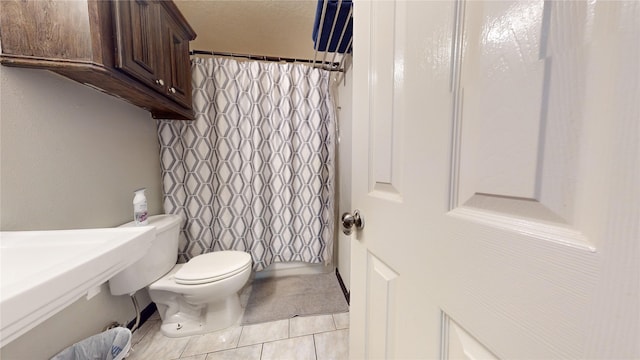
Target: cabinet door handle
x=172, y=90
x=160, y=82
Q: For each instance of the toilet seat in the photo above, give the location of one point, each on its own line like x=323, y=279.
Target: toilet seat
x=212, y=267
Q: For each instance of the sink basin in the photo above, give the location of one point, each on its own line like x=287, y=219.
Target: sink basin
x=42, y=272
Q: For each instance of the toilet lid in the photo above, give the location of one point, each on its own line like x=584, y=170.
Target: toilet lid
x=212, y=266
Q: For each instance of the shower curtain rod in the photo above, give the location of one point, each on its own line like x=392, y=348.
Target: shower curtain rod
x=327, y=65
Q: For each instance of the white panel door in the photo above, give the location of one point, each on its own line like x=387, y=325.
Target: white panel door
x=496, y=162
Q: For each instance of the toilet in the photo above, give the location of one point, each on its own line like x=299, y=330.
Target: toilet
x=192, y=298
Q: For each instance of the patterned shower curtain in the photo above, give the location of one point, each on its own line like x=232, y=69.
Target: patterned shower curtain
x=255, y=170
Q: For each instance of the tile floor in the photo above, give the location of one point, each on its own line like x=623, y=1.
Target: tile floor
x=314, y=337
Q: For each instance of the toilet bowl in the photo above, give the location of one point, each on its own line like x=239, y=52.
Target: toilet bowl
x=192, y=298
x=194, y=302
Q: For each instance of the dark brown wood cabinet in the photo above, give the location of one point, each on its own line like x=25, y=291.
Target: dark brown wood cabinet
x=176, y=59
x=137, y=50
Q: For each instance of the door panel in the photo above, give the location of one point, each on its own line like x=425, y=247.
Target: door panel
x=136, y=36
x=384, y=170
x=497, y=171
x=502, y=97
x=520, y=138
x=381, y=284
x=389, y=80
x=459, y=344
x=177, y=62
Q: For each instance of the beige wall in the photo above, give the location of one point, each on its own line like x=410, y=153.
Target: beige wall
x=70, y=157
x=274, y=27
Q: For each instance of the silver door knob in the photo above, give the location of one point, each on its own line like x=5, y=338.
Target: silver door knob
x=160, y=82
x=172, y=90
x=349, y=221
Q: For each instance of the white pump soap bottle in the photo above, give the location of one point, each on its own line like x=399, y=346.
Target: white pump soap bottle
x=140, y=207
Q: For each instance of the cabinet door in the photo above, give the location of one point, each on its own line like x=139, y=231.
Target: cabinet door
x=137, y=44
x=177, y=62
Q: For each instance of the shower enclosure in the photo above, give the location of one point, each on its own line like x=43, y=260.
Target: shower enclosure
x=255, y=170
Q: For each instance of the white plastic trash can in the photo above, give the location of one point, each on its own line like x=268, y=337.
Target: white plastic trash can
x=113, y=344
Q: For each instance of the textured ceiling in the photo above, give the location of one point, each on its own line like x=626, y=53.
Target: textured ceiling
x=260, y=27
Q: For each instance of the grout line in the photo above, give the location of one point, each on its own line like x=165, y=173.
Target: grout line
x=239, y=337
x=295, y=337
x=148, y=334
x=315, y=348
x=186, y=346
x=229, y=349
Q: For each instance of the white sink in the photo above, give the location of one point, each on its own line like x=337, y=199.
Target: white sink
x=42, y=272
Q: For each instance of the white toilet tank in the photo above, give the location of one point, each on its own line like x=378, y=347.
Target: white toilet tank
x=161, y=258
